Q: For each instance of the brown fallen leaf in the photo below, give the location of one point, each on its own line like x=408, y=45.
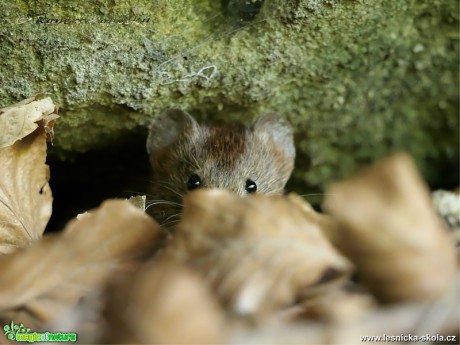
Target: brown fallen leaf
x=23, y=102
x=162, y=303
x=447, y=204
x=390, y=230
x=19, y=120
x=138, y=201
x=426, y=321
x=45, y=280
x=25, y=195
x=259, y=253
x=326, y=223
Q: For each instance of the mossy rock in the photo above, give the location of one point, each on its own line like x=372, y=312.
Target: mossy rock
x=356, y=81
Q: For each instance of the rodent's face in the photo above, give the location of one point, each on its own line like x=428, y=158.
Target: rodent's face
x=241, y=160
x=230, y=158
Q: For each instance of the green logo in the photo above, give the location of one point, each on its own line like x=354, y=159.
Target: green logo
x=21, y=333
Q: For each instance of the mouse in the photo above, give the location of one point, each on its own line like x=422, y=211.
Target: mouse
x=242, y=159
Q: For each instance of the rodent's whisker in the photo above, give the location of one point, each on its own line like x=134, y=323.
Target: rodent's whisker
x=171, y=190
x=148, y=206
x=171, y=217
x=175, y=205
x=141, y=193
x=166, y=183
x=170, y=224
x=162, y=202
x=146, y=194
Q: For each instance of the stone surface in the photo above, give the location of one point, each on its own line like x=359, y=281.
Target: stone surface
x=357, y=80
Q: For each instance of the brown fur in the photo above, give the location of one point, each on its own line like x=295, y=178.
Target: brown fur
x=224, y=157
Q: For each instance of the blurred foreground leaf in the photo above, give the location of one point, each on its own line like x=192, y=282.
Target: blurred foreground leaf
x=39, y=283
x=259, y=253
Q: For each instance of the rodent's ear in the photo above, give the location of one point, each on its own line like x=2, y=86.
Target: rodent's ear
x=273, y=128
x=167, y=127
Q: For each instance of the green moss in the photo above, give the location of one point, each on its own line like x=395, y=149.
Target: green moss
x=356, y=81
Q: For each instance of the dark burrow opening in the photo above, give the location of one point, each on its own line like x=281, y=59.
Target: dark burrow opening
x=86, y=180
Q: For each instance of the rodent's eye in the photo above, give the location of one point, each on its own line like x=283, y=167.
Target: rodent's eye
x=193, y=182
x=251, y=186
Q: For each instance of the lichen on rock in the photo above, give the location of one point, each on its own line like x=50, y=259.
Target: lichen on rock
x=356, y=81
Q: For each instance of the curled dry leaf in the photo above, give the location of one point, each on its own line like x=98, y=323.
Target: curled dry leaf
x=448, y=206
x=23, y=102
x=326, y=223
x=390, y=230
x=259, y=253
x=439, y=318
x=19, y=120
x=162, y=303
x=42, y=281
x=25, y=195
x=138, y=201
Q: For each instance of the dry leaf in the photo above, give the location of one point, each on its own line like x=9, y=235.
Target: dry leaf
x=386, y=323
x=19, y=120
x=448, y=206
x=42, y=281
x=48, y=123
x=163, y=303
x=390, y=230
x=259, y=253
x=23, y=102
x=326, y=223
x=25, y=195
x=138, y=201
x=352, y=318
